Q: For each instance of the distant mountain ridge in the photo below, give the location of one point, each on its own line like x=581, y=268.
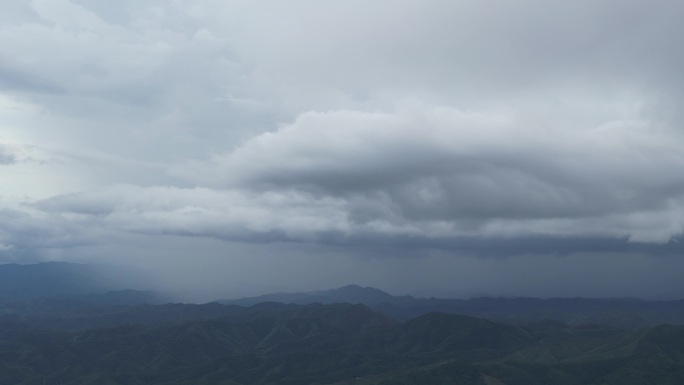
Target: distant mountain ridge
x=112, y=285
x=347, y=294
x=52, y=280
x=625, y=313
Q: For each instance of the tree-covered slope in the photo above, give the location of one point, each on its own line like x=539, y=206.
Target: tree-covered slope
x=326, y=344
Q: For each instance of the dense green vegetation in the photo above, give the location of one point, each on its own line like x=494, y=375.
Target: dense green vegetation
x=320, y=344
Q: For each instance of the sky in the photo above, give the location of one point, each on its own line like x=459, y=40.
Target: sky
x=428, y=147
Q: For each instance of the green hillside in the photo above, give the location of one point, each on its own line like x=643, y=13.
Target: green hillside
x=325, y=344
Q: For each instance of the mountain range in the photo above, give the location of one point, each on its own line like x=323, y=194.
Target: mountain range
x=68, y=330
x=626, y=313
x=112, y=285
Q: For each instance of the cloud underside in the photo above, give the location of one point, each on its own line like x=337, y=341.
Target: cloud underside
x=419, y=176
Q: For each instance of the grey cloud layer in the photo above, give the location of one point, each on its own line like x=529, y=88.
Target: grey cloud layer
x=7, y=156
x=491, y=127
x=471, y=173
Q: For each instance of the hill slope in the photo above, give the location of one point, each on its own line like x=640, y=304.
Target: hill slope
x=323, y=344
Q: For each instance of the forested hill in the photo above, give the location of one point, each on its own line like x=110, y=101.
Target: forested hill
x=273, y=343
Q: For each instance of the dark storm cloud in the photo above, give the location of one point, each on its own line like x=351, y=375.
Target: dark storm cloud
x=440, y=172
x=300, y=218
